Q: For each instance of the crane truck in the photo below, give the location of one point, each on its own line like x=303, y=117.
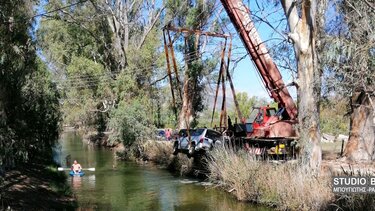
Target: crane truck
x=272, y=132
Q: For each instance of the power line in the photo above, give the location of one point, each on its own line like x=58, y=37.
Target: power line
x=97, y=76
x=58, y=9
x=92, y=81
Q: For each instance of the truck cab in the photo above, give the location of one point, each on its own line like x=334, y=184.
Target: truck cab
x=263, y=115
x=260, y=118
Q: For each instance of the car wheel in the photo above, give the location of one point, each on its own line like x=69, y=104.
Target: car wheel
x=218, y=144
x=192, y=150
x=175, y=148
x=215, y=144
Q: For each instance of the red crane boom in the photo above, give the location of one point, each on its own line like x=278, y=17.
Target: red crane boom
x=270, y=74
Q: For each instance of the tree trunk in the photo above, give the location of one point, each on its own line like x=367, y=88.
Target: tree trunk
x=118, y=51
x=308, y=108
x=361, y=141
x=118, y=22
x=186, y=113
x=303, y=35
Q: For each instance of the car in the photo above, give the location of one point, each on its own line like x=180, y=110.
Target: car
x=201, y=140
x=178, y=136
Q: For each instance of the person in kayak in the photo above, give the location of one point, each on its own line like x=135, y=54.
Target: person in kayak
x=76, y=167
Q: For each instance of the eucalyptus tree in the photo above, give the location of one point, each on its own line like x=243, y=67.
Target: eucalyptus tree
x=194, y=15
x=302, y=21
x=105, y=53
x=349, y=59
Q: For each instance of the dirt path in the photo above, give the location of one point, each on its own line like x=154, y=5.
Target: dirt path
x=32, y=189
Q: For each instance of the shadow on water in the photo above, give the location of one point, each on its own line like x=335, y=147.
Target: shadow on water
x=133, y=187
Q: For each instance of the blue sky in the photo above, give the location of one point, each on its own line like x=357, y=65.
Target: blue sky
x=245, y=76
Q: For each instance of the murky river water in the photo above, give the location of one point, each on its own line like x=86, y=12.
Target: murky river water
x=133, y=187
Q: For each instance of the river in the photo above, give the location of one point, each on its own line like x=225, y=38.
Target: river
x=130, y=186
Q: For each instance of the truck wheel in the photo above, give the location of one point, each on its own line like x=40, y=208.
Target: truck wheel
x=175, y=148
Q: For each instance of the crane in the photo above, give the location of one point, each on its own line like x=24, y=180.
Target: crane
x=271, y=128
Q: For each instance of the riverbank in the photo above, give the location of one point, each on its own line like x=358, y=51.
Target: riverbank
x=284, y=186
x=36, y=187
x=159, y=153
x=144, y=152
x=127, y=185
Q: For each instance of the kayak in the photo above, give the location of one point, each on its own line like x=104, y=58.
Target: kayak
x=80, y=174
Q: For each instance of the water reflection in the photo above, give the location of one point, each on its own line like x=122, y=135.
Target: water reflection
x=127, y=186
x=87, y=180
x=90, y=181
x=76, y=182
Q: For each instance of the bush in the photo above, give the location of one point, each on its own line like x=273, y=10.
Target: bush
x=286, y=186
x=32, y=118
x=131, y=122
x=160, y=153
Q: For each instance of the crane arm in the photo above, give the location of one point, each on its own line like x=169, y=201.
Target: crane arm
x=239, y=14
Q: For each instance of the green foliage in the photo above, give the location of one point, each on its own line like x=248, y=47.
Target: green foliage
x=348, y=54
x=246, y=104
x=333, y=117
x=84, y=49
x=85, y=92
x=194, y=15
x=29, y=101
x=75, y=50
x=85, y=75
x=131, y=121
x=41, y=101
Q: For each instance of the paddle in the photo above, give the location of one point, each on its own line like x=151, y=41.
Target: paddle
x=66, y=169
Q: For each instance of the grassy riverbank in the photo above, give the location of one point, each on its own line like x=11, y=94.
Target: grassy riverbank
x=159, y=153
x=283, y=186
x=36, y=187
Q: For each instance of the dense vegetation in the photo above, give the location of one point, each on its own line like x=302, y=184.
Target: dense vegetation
x=112, y=74
x=29, y=101
x=108, y=67
x=100, y=66
x=29, y=112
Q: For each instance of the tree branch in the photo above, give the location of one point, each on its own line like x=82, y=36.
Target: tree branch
x=160, y=79
x=270, y=25
x=145, y=34
x=291, y=13
x=370, y=5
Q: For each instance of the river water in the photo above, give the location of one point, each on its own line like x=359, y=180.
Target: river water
x=130, y=186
